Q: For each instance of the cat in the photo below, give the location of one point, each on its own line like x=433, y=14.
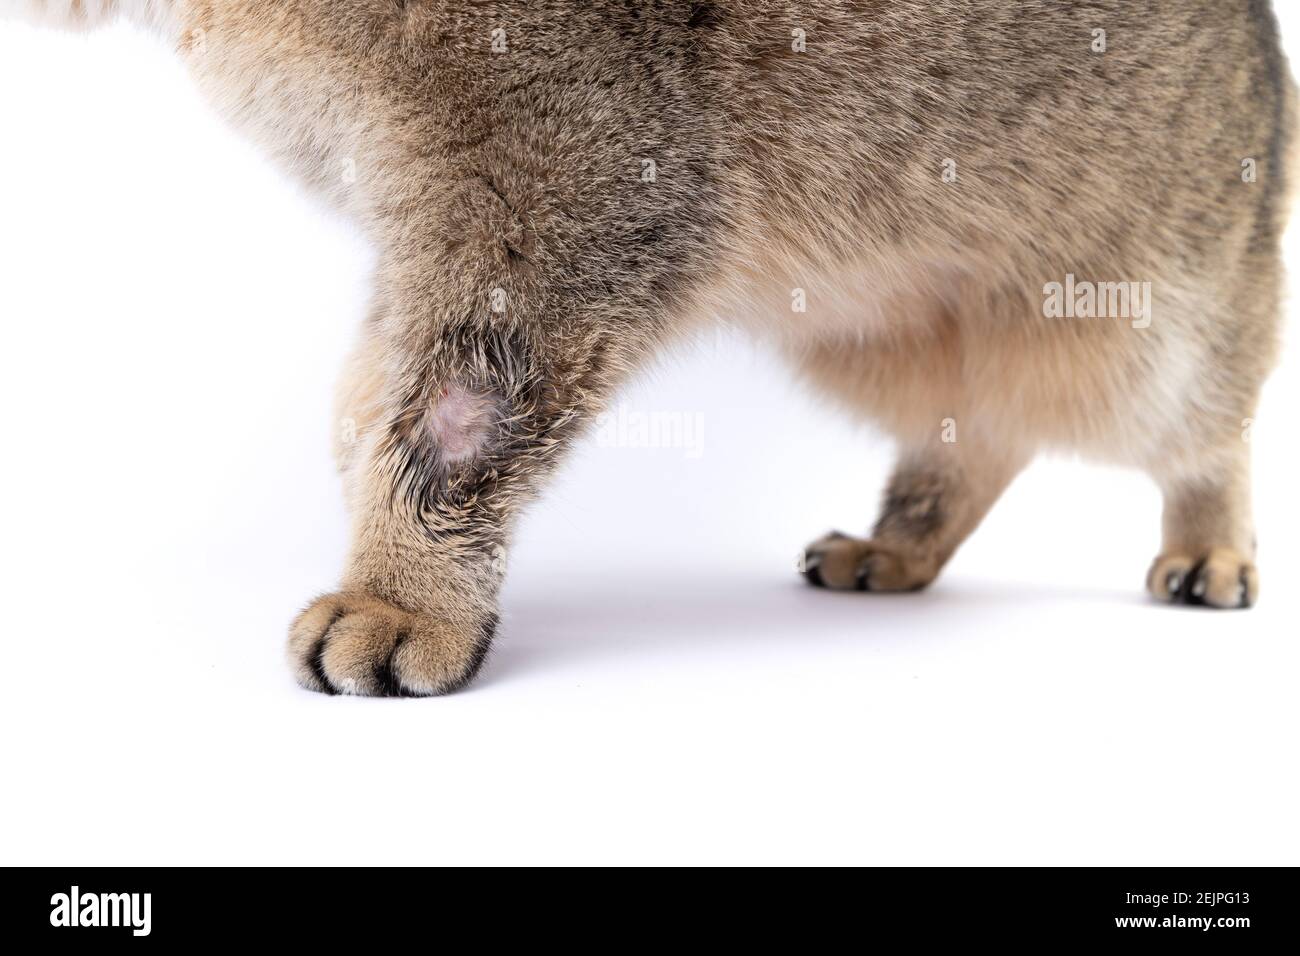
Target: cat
x=896, y=193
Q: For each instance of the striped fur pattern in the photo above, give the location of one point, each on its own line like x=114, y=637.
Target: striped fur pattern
x=886, y=190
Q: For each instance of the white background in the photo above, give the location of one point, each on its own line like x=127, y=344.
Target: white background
x=664, y=689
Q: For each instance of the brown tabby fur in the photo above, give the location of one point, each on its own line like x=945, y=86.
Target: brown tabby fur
x=529, y=263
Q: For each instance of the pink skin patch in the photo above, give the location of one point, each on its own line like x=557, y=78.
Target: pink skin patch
x=460, y=422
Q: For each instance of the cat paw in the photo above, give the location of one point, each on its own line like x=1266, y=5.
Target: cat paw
x=354, y=643
x=1220, y=579
x=843, y=563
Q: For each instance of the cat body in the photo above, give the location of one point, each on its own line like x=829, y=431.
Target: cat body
x=992, y=228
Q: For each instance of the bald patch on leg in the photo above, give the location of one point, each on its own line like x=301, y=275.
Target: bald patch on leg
x=461, y=421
